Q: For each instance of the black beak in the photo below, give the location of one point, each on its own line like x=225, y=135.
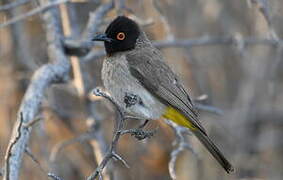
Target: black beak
x=102, y=37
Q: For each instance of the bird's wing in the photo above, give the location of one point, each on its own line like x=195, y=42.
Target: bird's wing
x=155, y=75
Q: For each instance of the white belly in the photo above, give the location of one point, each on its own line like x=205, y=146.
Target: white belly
x=118, y=81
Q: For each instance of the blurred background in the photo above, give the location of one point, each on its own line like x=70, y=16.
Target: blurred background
x=241, y=76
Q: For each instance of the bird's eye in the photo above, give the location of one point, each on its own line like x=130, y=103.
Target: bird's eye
x=121, y=36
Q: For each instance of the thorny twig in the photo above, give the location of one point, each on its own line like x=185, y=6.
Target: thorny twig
x=118, y=132
x=181, y=146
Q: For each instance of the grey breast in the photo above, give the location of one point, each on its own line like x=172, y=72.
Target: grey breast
x=118, y=81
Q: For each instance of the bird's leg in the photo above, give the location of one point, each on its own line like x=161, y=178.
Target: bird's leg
x=131, y=99
x=143, y=124
x=140, y=134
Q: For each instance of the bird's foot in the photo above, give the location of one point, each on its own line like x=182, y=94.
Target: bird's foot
x=141, y=134
x=131, y=99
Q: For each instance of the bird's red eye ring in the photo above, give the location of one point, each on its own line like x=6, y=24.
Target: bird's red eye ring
x=121, y=36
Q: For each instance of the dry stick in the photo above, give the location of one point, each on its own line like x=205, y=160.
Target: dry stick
x=95, y=20
x=20, y=37
x=34, y=159
x=264, y=9
x=32, y=12
x=67, y=29
x=33, y=122
x=59, y=146
x=13, y=5
x=181, y=146
x=93, y=24
x=43, y=78
x=98, y=142
x=208, y=108
x=78, y=81
x=117, y=133
x=163, y=19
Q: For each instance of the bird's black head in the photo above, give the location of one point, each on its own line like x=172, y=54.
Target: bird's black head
x=120, y=35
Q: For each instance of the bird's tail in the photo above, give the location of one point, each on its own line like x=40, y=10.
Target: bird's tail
x=211, y=147
x=175, y=116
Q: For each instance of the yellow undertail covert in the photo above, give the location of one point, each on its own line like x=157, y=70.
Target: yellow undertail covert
x=178, y=118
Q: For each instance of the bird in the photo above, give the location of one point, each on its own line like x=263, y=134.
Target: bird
x=135, y=74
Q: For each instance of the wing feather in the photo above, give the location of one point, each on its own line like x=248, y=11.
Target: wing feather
x=156, y=76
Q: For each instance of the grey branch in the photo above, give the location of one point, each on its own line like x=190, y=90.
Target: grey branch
x=13, y=5
x=208, y=108
x=84, y=44
x=181, y=146
x=33, y=158
x=58, y=147
x=42, y=79
x=264, y=9
x=117, y=133
x=96, y=19
x=32, y=12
